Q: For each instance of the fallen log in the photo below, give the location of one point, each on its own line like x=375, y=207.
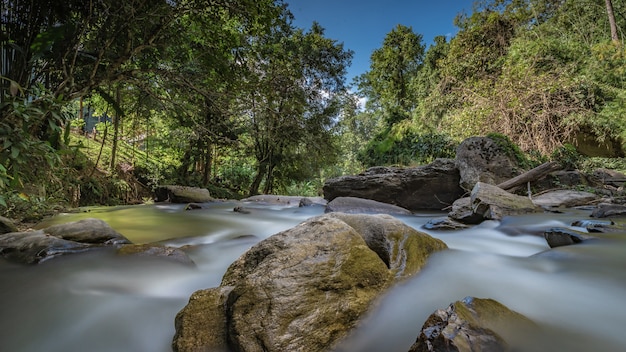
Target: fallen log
x=531, y=175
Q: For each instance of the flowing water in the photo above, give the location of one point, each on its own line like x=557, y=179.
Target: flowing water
x=96, y=301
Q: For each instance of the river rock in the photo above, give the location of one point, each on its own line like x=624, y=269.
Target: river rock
x=182, y=194
x=303, y=289
x=472, y=324
x=445, y=223
x=558, y=237
x=354, y=205
x=481, y=159
x=285, y=200
x=605, y=210
x=489, y=202
x=7, y=225
x=566, y=198
x=429, y=187
x=90, y=230
x=37, y=246
x=156, y=251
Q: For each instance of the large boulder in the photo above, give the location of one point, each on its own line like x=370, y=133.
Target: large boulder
x=182, y=194
x=354, y=205
x=429, y=187
x=488, y=202
x=37, y=246
x=305, y=288
x=483, y=159
x=473, y=324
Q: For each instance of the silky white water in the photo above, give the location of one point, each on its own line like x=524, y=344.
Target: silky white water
x=96, y=301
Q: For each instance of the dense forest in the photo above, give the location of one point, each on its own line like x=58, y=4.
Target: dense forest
x=103, y=100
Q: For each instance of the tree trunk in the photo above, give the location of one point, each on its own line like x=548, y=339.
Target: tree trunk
x=254, y=187
x=116, y=127
x=269, y=180
x=531, y=175
x=206, y=174
x=609, y=11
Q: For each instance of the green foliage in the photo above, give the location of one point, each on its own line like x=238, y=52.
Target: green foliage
x=567, y=156
x=510, y=148
x=407, y=148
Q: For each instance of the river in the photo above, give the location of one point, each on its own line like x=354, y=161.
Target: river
x=96, y=301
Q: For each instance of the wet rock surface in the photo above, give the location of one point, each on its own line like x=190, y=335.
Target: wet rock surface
x=558, y=237
x=472, y=324
x=488, y=202
x=34, y=247
x=353, y=205
x=303, y=289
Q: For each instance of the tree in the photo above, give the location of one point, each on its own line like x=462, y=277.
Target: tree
x=290, y=101
x=393, y=66
x=612, y=24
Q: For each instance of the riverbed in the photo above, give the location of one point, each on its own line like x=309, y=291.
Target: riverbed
x=96, y=301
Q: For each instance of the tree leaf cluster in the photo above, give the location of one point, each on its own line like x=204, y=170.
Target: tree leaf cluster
x=544, y=73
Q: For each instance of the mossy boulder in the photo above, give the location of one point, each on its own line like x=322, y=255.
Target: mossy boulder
x=305, y=288
x=492, y=159
x=473, y=324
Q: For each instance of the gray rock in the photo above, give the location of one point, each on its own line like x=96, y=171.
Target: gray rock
x=445, y=223
x=182, y=194
x=7, y=225
x=429, y=187
x=305, y=288
x=561, y=178
x=481, y=159
x=564, y=198
x=472, y=324
x=38, y=246
x=488, y=202
x=156, y=251
x=558, y=237
x=606, y=210
x=90, y=230
x=354, y=205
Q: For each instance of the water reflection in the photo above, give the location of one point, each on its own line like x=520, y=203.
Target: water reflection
x=98, y=302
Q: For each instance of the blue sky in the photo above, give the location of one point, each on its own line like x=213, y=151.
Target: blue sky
x=362, y=24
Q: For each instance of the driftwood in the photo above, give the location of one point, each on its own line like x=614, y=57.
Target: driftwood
x=531, y=175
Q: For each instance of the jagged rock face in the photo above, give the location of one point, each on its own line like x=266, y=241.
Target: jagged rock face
x=481, y=159
x=472, y=324
x=429, y=187
x=305, y=288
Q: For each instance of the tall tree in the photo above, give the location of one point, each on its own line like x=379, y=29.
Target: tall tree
x=291, y=100
x=612, y=24
x=393, y=66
